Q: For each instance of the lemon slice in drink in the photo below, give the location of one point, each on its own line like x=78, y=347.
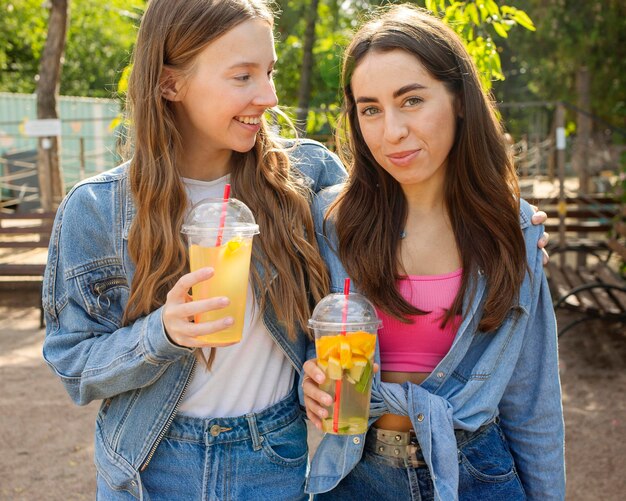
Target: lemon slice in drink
x=358, y=368
x=233, y=246
x=334, y=368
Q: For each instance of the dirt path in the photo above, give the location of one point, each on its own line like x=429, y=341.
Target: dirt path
x=46, y=441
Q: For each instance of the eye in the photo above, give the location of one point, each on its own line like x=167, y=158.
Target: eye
x=413, y=101
x=243, y=78
x=369, y=111
x=271, y=73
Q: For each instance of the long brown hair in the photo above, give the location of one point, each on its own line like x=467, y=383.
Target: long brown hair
x=481, y=191
x=172, y=34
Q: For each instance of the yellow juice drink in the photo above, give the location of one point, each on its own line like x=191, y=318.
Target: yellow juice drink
x=348, y=362
x=231, y=262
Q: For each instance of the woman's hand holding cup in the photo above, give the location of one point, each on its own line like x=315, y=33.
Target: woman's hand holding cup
x=179, y=311
x=315, y=400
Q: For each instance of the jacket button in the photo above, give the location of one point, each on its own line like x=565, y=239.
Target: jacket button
x=356, y=440
x=420, y=417
x=215, y=430
x=440, y=374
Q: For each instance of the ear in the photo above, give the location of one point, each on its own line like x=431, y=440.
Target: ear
x=171, y=84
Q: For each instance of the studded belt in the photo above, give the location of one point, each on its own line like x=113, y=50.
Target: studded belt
x=403, y=445
x=395, y=444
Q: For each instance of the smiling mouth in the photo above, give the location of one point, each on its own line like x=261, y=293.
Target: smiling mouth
x=402, y=154
x=249, y=120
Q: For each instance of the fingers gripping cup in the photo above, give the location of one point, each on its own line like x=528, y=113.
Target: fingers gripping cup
x=219, y=234
x=345, y=327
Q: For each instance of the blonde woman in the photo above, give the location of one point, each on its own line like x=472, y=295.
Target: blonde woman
x=116, y=286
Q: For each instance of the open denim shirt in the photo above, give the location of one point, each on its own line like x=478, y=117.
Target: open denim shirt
x=138, y=373
x=511, y=373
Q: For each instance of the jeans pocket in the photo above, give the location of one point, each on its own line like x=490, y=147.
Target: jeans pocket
x=487, y=458
x=287, y=446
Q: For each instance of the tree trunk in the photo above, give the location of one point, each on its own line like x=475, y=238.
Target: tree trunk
x=304, y=91
x=49, y=169
x=580, y=156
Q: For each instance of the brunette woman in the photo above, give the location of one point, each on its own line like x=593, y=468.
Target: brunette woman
x=431, y=228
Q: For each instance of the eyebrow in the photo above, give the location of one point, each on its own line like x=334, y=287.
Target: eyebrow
x=397, y=93
x=246, y=64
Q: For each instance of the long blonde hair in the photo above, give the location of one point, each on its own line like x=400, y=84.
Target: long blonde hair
x=172, y=34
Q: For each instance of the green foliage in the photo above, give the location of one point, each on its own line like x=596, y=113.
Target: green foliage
x=478, y=22
x=22, y=37
x=99, y=39
x=570, y=34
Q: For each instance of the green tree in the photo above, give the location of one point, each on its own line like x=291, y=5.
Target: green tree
x=99, y=40
x=478, y=22
x=22, y=38
x=570, y=34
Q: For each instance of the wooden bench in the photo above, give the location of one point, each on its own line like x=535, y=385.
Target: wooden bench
x=24, y=239
x=595, y=288
x=592, y=216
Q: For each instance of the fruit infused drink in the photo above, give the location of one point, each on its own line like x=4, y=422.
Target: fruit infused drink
x=220, y=233
x=349, y=358
x=231, y=263
x=345, y=327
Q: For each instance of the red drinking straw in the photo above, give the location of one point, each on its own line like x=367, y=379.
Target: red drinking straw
x=344, y=319
x=220, y=230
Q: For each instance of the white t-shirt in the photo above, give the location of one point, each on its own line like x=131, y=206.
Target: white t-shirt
x=245, y=377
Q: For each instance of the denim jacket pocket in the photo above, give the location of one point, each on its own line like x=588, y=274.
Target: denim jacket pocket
x=487, y=349
x=104, y=288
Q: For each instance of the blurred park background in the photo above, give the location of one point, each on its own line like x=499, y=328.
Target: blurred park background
x=534, y=54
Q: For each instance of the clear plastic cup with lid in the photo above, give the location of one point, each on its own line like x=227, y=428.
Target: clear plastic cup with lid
x=345, y=328
x=219, y=233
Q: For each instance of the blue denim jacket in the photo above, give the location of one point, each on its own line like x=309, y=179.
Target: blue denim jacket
x=511, y=373
x=138, y=373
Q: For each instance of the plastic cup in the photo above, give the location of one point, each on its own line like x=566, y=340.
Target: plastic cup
x=219, y=234
x=345, y=327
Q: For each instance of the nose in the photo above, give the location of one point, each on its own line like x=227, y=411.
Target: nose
x=266, y=96
x=395, y=127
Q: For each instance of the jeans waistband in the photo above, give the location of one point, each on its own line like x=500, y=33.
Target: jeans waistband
x=211, y=431
x=403, y=445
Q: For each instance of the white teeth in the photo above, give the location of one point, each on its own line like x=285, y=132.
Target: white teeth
x=249, y=120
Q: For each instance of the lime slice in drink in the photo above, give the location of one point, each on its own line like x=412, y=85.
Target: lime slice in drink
x=361, y=385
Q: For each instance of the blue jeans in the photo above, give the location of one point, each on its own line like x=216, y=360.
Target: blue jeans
x=256, y=456
x=486, y=473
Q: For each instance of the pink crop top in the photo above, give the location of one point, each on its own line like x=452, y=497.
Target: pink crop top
x=421, y=345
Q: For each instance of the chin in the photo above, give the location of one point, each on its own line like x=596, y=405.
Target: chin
x=244, y=148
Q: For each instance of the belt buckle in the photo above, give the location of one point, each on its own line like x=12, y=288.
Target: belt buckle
x=411, y=455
